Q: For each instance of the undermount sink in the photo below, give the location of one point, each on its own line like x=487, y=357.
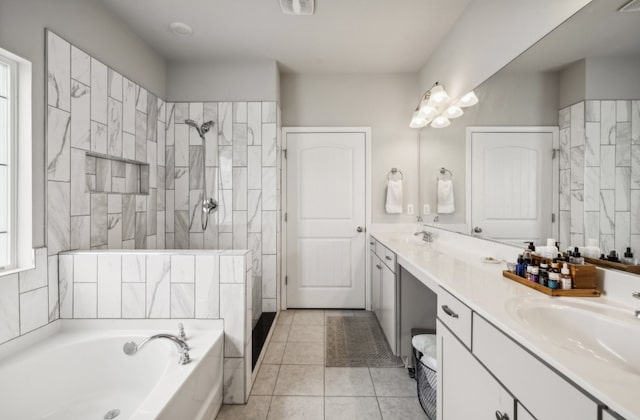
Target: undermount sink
x=607, y=334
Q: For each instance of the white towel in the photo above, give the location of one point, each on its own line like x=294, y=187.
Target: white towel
x=394, y=197
x=445, y=196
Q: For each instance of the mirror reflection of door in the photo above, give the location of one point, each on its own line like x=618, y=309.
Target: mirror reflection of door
x=512, y=182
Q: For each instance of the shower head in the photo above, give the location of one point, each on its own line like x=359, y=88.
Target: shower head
x=202, y=129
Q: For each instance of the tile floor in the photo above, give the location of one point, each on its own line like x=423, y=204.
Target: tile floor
x=294, y=384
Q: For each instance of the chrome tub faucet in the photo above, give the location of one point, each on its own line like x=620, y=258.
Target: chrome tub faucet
x=130, y=348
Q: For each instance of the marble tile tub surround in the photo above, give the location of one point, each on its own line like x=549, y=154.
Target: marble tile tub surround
x=29, y=299
x=600, y=174
x=91, y=108
x=182, y=284
x=243, y=172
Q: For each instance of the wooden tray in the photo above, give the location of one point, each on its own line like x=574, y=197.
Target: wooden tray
x=552, y=292
x=635, y=269
x=584, y=276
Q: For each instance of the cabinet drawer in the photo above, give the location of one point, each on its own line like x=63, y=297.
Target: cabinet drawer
x=528, y=378
x=372, y=244
x=455, y=315
x=389, y=259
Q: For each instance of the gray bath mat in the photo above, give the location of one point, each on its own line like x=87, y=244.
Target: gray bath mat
x=357, y=341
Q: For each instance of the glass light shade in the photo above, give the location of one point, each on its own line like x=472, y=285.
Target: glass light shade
x=469, y=99
x=418, y=121
x=441, y=122
x=453, y=112
x=438, y=95
x=427, y=111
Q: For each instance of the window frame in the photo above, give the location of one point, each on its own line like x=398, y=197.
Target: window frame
x=19, y=157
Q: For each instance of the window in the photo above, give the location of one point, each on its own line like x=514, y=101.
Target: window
x=15, y=163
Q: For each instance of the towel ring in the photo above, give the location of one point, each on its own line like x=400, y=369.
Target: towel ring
x=394, y=171
x=444, y=171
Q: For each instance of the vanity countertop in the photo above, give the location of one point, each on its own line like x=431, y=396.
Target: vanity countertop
x=482, y=287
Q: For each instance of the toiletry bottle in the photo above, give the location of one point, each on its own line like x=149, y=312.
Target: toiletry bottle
x=628, y=258
x=548, y=251
x=520, y=267
x=554, y=279
x=535, y=272
x=613, y=256
x=592, y=250
x=576, y=257
x=565, y=277
x=543, y=277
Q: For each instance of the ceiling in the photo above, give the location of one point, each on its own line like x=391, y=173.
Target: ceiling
x=343, y=36
x=598, y=30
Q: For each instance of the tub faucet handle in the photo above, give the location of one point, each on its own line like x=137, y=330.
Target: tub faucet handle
x=183, y=336
x=184, y=357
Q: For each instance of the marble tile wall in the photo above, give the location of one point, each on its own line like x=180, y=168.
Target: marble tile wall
x=243, y=172
x=600, y=174
x=93, y=108
x=29, y=299
x=156, y=284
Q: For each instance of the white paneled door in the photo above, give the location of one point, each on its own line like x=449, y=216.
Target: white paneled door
x=512, y=184
x=326, y=202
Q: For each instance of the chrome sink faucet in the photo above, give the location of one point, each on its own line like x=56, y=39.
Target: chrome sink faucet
x=637, y=296
x=130, y=348
x=426, y=236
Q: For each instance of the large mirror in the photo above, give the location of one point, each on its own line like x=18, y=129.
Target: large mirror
x=552, y=149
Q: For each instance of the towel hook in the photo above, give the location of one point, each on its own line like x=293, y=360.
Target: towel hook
x=394, y=171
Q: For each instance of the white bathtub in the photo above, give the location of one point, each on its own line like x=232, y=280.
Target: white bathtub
x=79, y=371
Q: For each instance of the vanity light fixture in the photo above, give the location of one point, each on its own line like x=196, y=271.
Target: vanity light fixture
x=453, y=111
x=181, y=29
x=469, y=99
x=418, y=120
x=441, y=122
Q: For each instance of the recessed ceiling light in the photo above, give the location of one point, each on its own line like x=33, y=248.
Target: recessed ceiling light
x=181, y=29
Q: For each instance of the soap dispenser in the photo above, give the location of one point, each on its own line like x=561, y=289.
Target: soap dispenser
x=576, y=258
x=628, y=258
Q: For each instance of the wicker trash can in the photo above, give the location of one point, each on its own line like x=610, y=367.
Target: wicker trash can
x=426, y=375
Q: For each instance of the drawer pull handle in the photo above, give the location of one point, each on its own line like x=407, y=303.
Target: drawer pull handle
x=449, y=312
x=378, y=266
x=372, y=243
x=500, y=416
x=388, y=258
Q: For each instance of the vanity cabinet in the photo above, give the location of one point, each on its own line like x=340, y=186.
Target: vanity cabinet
x=485, y=374
x=384, y=291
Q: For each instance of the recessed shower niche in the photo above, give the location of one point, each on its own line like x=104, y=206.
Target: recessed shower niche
x=108, y=174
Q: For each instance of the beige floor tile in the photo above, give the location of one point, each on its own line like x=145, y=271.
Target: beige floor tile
x=306, y=334
x=286, y=317
x=280, y=333
x=303, y=354
x=255, y=409
x=337, y=312
x=351, y=408
x=266, y=380
x=296, y=408
x=274, y=354
x=393, y=382
x=300, y=380
x=401, y=409
x=348, y=382
x=309, y=317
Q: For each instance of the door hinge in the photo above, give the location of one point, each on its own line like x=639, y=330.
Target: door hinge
x=554, y=152
x=285, y=153
x=553, y=217
x=285, y=217
x=286, y=280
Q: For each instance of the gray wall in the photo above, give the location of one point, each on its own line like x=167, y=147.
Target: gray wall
x=383, y=102
x=255, y=80
x=573, y=83
x=613, y=78
x=94, y=29
x=505, y=99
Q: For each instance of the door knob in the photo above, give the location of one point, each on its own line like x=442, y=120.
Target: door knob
x=359, y=229
x=477, y=229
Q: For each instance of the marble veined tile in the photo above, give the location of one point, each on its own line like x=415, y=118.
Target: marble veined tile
x=254, y=123
x=623, y=144
x=98, y=91
x=170, y=174
x=592, y=189
x=170, y=212
x=80, y=117
x=564, y=118
x=109, y=286
x=607, y=211
x=158, y=286
x=239, y=112
x=225, y=123
x=129, y=106
x=255, y=246
x=36, y=277
x=162, y=110
x=181, y=112
x=183, y=269
x=80, y=232
x=114, y=84
x=623, y=111
x=254, y=214
x=195, y=208
x=181, y=229
x=182, y=300
x=182, y=145
x=196, y=113
x=114, y=231
x=635, y=122
x=608, y=122
x=623, y=182
x=133, y=268
x=577, y=212
x=58, y=144
x=565, y=148
x=240, y=230
x=65, y=285
x=133, y=300
x=98, y=219
x=98, y=137
x=591, y=225
x=269, y=276
x=269, y=111
x=592, y=111
x=141, y=136
x=152, y=117
x=635, y=166
x=152, y=160
x=59, y=72
x=80, y=204
x=232, y=298
x=225, y=154
x=207, y=289
x=623, y=230
x=58, y=217
x=80, y=66
x=592, y=144
x=577, y=124
x=577, y=168
x=269, y=188
x=225, y=211
x=269, y=232
x=182, y=189
x=565, y=189
x=85, y=302
x=269, y=150
x=162, y=143
x=34, y=309
x=240, y=144
x=607, y=167
x=635, y=211
x=239, y=188
x=54, y=295
x=196, y=170
x=141, y=99
x=128, y=146
x=114, y=128
x=141, y=230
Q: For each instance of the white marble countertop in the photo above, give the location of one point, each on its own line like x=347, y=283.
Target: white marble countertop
x=482, y=287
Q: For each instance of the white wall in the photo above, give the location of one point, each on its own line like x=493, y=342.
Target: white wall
x=91, y=27
x=383, y=102
x=253, y=80
x=505, y=99
x=489, y=34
